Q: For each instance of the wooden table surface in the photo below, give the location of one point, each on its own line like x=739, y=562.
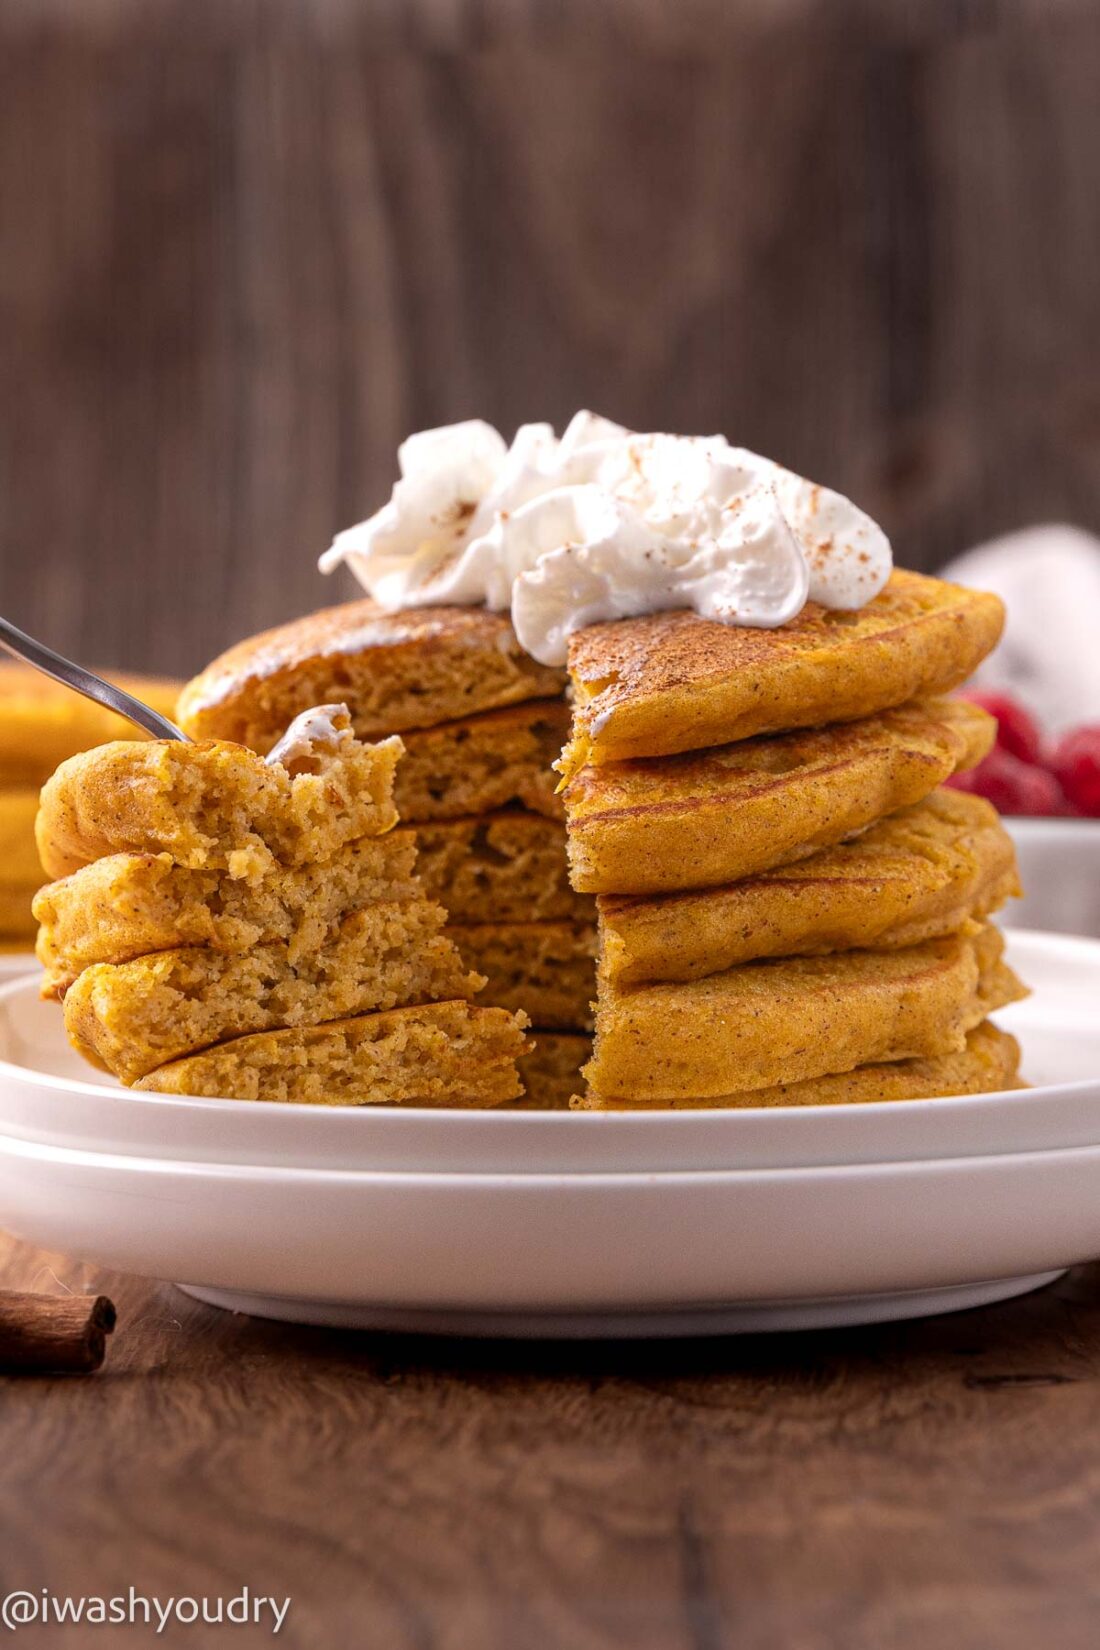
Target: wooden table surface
x=246, y=246
x=910, y=1485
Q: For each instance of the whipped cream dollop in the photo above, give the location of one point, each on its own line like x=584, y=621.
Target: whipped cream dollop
x=604, y=523
x=320, y=732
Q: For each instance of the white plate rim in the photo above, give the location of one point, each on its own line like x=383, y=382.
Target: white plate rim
x=599, y=1180
x=489, y=1118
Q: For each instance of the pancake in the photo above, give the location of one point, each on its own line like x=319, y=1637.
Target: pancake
x=545, y=968
x=394, y=671
x=132, y=1017
x=16, y=919
x=914, y=876
x=717, y=816
x=551, y=1072
x=672, y=682
x=509, y=866
x=435, y=1054
x=128, y=905
x=797, y=1018
x=41, y=722
x=484, y=762
x=212, y=806
x=19, y=863
x=989, y=1062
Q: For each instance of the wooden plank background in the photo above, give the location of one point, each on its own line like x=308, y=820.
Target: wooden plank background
x=246, y=247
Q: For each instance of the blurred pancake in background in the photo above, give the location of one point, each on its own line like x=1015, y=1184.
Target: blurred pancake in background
x=42, y=723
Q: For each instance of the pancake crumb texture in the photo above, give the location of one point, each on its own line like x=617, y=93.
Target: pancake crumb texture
x=482, y=725
x=483, y=763
x=511, y=864
x=131, y=1017
x=434, y=1054
x=215, y=806
x=551, y=1072
x=231, y=927
x=548, y=969
x=128, y=905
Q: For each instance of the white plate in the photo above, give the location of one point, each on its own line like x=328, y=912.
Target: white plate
x=1060, y=871
x=46, y=1095
x=15, y=963
x=572, y=1223
x=580, y=1254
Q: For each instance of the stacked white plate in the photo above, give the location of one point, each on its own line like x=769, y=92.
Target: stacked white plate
x=572, y=1224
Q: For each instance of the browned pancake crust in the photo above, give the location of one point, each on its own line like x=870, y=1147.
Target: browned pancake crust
x=394, y=671
x=990, y=1062
x=672, y=682
x=792, y=1019
x=712, y=817
x=912, y=877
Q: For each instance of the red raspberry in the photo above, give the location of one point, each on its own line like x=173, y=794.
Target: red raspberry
x=1076, y=763
x=1017, y=731
x=1013, y=787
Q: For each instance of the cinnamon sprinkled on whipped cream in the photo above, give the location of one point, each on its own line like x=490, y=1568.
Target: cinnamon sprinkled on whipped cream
x=608, y=524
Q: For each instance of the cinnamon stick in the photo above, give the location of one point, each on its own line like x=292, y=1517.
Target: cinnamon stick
x=53, y=1334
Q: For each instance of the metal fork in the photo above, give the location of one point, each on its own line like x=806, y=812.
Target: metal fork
x=86, y=682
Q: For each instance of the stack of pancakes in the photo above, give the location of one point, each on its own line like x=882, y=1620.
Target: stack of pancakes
x=232, y=927
x=790, y=911
x=42, y=723
x=482, y=724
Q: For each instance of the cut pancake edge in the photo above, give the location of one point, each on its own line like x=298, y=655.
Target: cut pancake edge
x=988, y=1064
x=792, y=1019
x=880, y=658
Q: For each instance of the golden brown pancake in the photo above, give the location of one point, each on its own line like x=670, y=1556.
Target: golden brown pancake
x=212, y=806
x=434, y=1054
x=19, y=862
x=41, y=722
x=484, y=762
x=548, y=969
x=551, y=1073
x=132, y=1017
x=128, y=905
x=394, y=671
x=914, y=876
x=989, y=1062
x=673, y=682
x=796, y=1018
x=509, y=865
x=717, y=816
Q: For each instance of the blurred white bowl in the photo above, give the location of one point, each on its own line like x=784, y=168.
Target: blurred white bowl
x=1060, y=871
